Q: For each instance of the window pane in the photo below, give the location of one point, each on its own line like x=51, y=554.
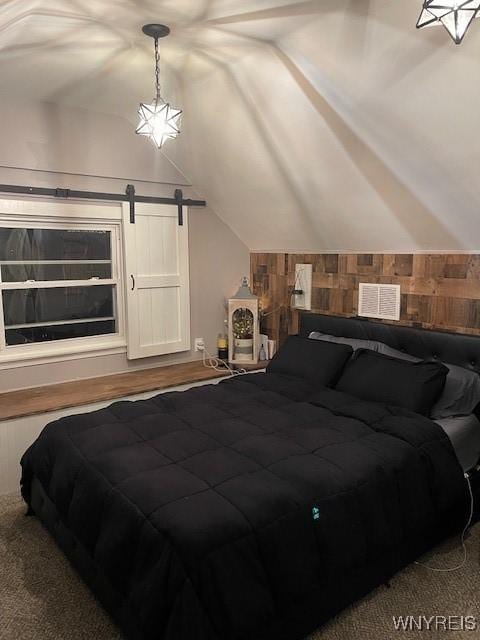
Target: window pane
x=20, y=273
x=53, y=244
x=28, y=306
x=58, y=332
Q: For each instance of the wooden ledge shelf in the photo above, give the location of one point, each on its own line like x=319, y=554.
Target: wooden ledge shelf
x=28, y=402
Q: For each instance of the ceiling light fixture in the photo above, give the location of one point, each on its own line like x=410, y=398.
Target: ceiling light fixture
x=455, y=15
x=159, y=121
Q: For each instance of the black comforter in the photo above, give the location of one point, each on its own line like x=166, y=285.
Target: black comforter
x=254, y=509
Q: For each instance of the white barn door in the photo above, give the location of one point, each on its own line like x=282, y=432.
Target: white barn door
x=157, y=281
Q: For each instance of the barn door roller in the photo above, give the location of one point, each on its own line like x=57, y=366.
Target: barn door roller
x=129, y=196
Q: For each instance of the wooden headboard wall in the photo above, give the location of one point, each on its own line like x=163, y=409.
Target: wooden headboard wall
x=439, y=291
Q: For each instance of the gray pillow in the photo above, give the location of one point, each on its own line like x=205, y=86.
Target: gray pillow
x=461, y=394
x=395, y=353
x=355, y=343
x=372, y=345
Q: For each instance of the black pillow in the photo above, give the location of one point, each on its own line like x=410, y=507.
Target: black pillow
x=317, y=361
x=378, y=378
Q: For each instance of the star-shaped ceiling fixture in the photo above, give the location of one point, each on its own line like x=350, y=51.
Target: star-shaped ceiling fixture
x=159, y=121
x=455, y=15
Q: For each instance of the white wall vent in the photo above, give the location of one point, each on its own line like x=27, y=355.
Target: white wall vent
x=379, y=301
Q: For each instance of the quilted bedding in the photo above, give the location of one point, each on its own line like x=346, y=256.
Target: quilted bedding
x=253, y=509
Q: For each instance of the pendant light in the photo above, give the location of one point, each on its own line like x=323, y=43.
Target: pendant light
x=159, y=121
x=455, y=15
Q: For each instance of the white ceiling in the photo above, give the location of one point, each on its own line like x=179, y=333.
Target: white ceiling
x=92, y=53
x=309, y=125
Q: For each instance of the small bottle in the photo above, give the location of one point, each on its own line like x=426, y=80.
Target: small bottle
x=222, y=346
x=262, y=355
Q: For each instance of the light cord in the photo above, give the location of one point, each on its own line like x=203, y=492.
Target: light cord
x=464, y=532
x=211, y=362
x=265, y=315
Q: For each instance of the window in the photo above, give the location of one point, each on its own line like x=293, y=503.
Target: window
x=59, y=285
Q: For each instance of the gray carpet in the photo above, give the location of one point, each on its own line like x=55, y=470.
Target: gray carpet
x=41, y=597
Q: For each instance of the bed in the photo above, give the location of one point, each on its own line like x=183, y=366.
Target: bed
x=253, y=509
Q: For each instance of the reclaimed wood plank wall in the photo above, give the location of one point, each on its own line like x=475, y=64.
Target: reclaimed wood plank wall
x=439, y=291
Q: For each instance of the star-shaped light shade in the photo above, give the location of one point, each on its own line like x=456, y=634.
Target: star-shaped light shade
x=455, y=15
x=159, y=121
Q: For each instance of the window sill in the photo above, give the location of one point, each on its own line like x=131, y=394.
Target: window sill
x=57, y=353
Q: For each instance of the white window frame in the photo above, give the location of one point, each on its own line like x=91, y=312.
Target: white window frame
x=48, y=214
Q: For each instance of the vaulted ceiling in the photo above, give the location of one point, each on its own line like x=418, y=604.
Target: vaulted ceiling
x=309, y=125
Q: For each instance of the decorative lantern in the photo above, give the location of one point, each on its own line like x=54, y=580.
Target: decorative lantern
x=243, y=326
